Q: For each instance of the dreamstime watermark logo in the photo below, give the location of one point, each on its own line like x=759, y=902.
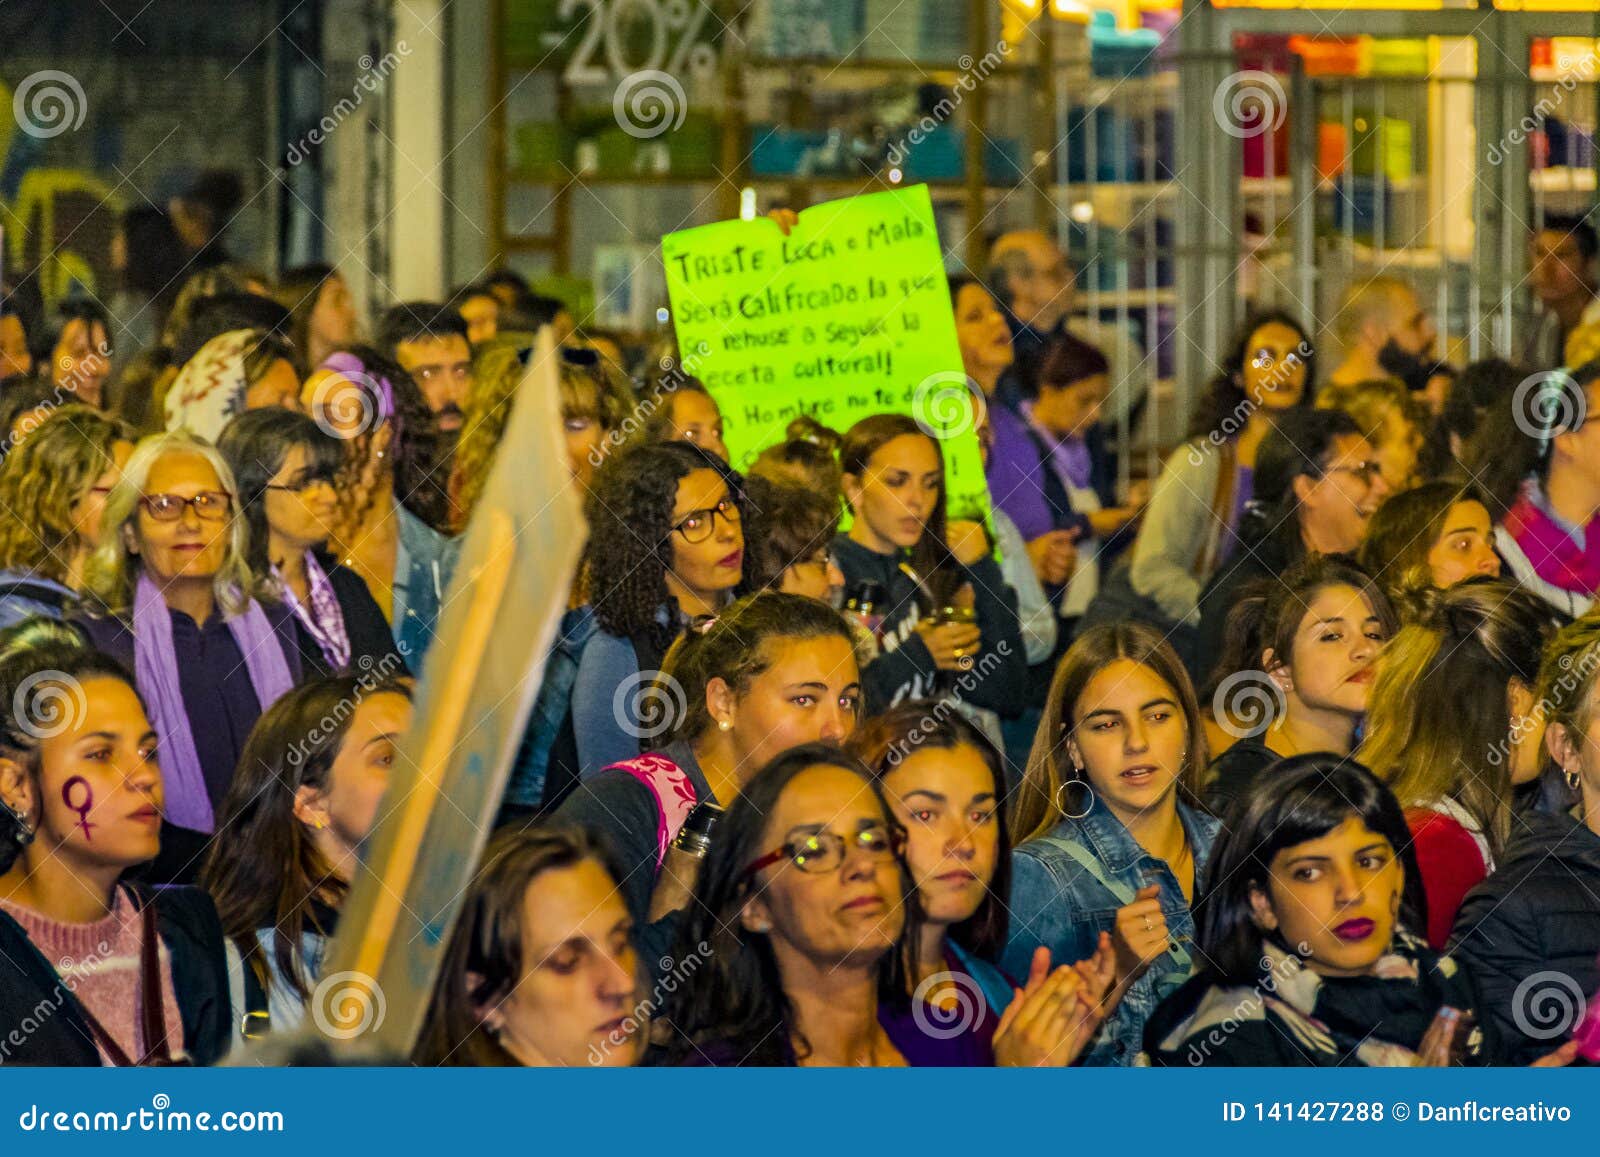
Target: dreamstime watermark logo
x=948, y=404
x=648, y=704
x=1573, y=74
x=972, y=73
x=48, y=703
x=71, y=971
x=1546, y=404
x=1249, y=103
x=49, y=103
x=673, y=974
x=673, y=376
x=1234, y=421
x=1547, y=1005
x=648, y=103
x=1246, y=702
x=344, y=404
x=1275, y=972
x=347, y=1004
x=373, y=74
x=373, y=675
x=949, y=1018
x=949, y=704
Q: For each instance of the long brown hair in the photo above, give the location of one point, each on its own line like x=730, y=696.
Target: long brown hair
x=1037, y=809
x=885, y=741
x=931, y=556
x=1439, y=725
x=264, y=871
x=482, y=961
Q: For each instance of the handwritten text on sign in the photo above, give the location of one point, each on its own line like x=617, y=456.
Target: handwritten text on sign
x=845, y=317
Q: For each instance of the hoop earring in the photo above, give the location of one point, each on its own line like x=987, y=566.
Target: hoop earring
x=1061, y=801
x=21, y=830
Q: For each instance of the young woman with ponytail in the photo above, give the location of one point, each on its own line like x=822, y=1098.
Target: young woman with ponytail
x=1296, y=670
x=771, y=672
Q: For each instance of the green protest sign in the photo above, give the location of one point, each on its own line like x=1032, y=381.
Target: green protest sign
x=847, y=316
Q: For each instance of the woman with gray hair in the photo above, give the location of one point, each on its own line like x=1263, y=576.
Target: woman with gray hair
x=171, y=596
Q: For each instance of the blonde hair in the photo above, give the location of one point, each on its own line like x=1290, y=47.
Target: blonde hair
x=1568, y=672
x=588, y=393
x=1439, y=726
x=1370, y=403
x=112, y=569
x=46, y=477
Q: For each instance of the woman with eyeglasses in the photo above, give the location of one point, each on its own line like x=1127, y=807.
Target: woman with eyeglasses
x=774, y=671
x=798, y=926
x=60, y=476
x=371, y=405
x=287, y=469
x=1318, y=483
x=171, y=595
x=1196, y=517
x=666, y=544
x=1537, y=458
x=1112, y=837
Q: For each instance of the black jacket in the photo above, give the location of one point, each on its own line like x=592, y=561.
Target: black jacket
x=1535, y=922
x=32, y=994
x=372, y=645
x=904, y=668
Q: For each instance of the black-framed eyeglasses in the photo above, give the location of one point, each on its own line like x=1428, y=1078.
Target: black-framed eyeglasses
x=825, y=851
x=1365, y=471
x=302, y=486
x=697, y=525
x=209, y=506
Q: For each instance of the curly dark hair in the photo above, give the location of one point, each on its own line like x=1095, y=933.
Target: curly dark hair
x=629, y=508
x=1218, y=408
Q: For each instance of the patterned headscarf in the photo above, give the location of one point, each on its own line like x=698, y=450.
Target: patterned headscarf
x=211, y=386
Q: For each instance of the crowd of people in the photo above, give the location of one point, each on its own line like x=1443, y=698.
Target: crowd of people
x=1286, y=756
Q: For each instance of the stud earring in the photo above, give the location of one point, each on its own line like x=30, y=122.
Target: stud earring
x=724, y=725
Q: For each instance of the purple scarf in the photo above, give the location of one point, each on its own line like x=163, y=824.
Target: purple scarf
x=323, y=619
x=155, y=669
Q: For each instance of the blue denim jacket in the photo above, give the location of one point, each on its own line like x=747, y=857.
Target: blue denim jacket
x=1058, y=902
x=550, y=709
x=424, y=562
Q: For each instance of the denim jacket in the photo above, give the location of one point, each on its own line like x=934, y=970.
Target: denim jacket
x=423, y=565
x=1059, y=902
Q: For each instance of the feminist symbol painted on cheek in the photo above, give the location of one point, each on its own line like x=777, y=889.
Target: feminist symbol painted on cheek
x=81, y=806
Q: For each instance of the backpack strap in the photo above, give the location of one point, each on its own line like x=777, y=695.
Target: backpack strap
x=35, y=590
x=674, y=792
x=1123, y=894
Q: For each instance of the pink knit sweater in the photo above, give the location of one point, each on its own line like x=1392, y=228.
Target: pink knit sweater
x=99, y=962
